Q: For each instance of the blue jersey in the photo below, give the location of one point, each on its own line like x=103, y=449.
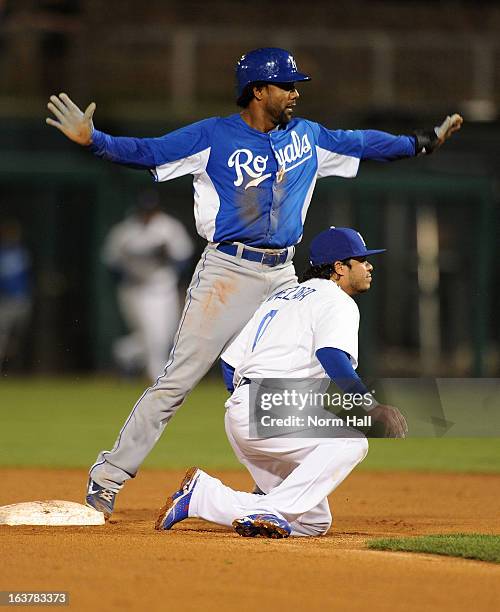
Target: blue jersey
x=250, y=186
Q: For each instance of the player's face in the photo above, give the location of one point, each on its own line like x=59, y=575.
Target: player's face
x=358, y=277
x=280, y=100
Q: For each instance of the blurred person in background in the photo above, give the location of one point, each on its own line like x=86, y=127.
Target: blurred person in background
x=147, y=253
x=15, y=291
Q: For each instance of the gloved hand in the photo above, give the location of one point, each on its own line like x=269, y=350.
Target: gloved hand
x=427, y=141
x=71, y=121
x=450, y=125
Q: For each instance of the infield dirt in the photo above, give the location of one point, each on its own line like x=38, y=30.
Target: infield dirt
x=126, y=565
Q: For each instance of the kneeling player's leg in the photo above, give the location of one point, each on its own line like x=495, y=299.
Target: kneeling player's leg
x=296, y=473
x=300, y=498
x=315, y=522
x=265, y=476
x=305, y=476
x=320, y=471
x=215, y=502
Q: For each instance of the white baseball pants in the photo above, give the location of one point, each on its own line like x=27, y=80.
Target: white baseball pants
x=297, y=475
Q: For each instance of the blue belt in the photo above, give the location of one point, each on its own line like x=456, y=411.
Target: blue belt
x=266, y=259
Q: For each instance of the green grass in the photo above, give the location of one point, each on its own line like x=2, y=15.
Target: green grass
x=480, y=455
x=66, y=422
x=468, y=546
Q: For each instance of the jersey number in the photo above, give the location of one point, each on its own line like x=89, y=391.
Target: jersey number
x=263, y=325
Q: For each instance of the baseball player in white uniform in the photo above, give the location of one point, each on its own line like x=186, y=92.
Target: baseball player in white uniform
x=147, y=252
x=254, y=174
x=304, y=332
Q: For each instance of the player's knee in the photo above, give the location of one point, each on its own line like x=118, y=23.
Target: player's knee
x=313, y=526
x=360, y=448
x=324, y=527
x=312, y=530
x=322, y=524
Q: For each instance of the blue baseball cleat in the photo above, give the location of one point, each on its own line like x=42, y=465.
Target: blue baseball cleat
x=177, y=505
x=100, y=498
x=265, y=525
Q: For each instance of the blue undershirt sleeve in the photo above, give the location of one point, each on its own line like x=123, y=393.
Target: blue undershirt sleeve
x=338, y=367
x=227, y=375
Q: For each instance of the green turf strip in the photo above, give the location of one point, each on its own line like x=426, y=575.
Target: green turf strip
x=57, y=422
x=468, y=546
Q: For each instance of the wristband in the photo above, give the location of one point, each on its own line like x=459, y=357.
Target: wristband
x=426, y=141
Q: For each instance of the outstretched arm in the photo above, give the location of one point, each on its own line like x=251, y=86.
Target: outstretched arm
x=78, y=127
x=340, y=151
x=184, y=151
x=70, y=120
x=382, y=146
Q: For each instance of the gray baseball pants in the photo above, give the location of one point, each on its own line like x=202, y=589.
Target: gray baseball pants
x=224, y=293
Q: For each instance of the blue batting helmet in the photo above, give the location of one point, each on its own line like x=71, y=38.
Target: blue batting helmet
x=269, y=64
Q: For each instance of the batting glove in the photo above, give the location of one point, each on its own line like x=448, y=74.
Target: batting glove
x=427, y=141
x=71, y=121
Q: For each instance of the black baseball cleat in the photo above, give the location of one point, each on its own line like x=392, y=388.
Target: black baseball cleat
x=100, y=498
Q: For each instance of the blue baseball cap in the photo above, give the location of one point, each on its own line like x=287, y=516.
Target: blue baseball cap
x=337, y=244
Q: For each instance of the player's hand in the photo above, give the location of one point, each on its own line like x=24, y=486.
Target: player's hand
x=70, y=120
x=393, y=421
x=428, y=141
x=450, y=125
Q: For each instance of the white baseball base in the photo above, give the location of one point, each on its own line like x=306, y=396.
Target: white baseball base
x=54, y=512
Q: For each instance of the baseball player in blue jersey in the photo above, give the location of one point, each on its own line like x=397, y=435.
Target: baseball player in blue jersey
x=254, y=174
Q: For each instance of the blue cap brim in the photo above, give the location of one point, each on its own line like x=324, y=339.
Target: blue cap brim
x=366, y=253
x=322, y=261
x=372, y=252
